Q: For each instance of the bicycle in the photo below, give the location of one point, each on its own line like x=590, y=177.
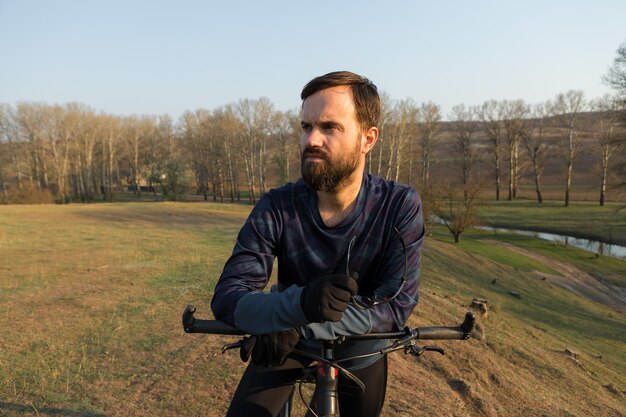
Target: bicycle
x=327, y=369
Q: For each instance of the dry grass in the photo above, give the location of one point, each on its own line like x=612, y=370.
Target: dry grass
x=91, y=296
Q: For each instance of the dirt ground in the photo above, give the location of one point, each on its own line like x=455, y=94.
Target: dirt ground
x=576, y=280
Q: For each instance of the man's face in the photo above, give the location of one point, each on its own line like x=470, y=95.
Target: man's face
x=331, y=141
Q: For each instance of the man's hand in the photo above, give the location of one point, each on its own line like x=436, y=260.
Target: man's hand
x=326, y=299
x=269, y=349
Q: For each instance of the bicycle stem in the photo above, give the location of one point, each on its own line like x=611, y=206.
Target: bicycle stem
x=326, y=387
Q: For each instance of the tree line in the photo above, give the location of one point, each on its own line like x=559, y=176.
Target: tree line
x=73, y=153
x=70, y=152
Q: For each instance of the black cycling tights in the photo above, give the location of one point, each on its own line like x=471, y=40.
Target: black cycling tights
x=262, y=392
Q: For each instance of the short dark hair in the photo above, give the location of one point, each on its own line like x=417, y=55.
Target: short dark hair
x=364, y=94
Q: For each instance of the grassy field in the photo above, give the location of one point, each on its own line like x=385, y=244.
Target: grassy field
x=91, y=297
x=581, y=219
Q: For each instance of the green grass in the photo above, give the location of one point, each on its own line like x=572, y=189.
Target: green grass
x=584, y=220
x=471, y=242
x=543, y=305
x=610, y=268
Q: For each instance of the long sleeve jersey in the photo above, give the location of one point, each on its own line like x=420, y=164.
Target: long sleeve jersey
x=286, y=224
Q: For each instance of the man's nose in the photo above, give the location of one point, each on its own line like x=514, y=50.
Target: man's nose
x=312, y=138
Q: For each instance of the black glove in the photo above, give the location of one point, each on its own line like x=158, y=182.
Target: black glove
x=327, y=297
x=269, y=349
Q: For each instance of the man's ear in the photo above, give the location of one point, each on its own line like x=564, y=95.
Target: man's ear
x=369, y=139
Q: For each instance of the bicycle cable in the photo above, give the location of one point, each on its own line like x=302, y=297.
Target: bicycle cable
x=372, y=302
x=341, y=369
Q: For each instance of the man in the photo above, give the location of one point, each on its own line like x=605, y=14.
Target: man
x=338, y=233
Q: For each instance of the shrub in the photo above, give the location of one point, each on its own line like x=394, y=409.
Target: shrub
x=29, y=195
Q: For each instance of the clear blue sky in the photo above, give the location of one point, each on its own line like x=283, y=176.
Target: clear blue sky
x=165, y=57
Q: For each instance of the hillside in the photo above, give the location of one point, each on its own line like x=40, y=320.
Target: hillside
x=522, y=368
x=91, y=297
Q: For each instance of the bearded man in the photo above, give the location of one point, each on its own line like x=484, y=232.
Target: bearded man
x=348, y=246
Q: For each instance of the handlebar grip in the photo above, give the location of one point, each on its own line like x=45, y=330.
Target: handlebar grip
x=441, y=333
x=462, y=332
x=213, y=327
x=193, y=325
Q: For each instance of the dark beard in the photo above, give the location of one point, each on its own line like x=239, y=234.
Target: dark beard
x=328, y=175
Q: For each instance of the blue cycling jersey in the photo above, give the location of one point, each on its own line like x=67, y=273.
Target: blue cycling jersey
x=286, y=225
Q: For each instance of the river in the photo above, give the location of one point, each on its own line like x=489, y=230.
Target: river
x=594, y=246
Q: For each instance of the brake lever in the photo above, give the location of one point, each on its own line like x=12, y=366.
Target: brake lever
x=418, y=350
x=230, y=346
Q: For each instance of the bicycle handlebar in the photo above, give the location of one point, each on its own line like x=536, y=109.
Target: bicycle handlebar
x=402, y=340
x=461, y=332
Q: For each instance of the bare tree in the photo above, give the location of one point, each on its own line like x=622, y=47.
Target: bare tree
x=608, y=138
x=567, y=108
x=86, y=142
x=464, y=127
x=211, y=142
x=400, y=133
x=232, y=128
x=386, y=115
x=457, y=208
x=195, y=148
x=8, y=136
x=158, y=150
x=293, y=148
x=256, y=117
x=286, y=129
x=249, y=143
x=536, y=144
x=264, y=116
x=616, y=75
x=172, y=167
x=429, y=117
x=214, y=135
x=137, y=130
x=3, y=181
x=111, y=144
x=409, y=141
x=515, y=125
x=62, y=137
x=3, y=165
x=31, y=120
x=4, y=151
x=492, y=115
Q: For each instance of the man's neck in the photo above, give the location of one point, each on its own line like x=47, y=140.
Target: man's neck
x=334, y=207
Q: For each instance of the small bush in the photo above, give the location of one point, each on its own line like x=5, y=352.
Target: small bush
x=174, y=180
x=29, y=195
